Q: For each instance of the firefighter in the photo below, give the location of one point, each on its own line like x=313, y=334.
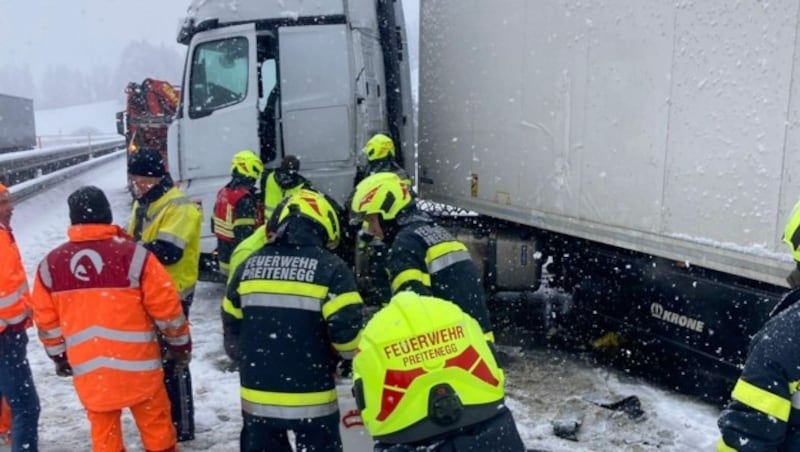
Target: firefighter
x=380, y=154
x=97, y=300
x=237, y=210
x=16, y=380
x=763, y=413
x=290, y=307
x=423, y=256
x=425, y=378
x=791, y=235
x=281, y=182
x=167, y=223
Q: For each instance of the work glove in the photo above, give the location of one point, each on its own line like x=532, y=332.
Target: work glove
x=63, y=369
x=180, y=359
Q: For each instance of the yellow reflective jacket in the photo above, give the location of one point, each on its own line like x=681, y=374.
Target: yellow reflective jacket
x=791, y=234
x=275, y=190
x=413, y=354
x=174, y=218
x=246, y=247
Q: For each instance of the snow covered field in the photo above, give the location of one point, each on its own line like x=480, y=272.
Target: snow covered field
x=542, y=384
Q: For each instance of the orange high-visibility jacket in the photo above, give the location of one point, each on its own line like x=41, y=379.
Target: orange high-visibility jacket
x=14, y=293
x=100, y=298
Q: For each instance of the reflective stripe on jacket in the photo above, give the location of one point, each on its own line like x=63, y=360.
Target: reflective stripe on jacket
x=174, y=218
x=224, y=218
x=237, y=213
x=97, y=297
x=13, y=284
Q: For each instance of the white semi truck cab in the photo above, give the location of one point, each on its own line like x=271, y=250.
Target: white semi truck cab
x=314, y=79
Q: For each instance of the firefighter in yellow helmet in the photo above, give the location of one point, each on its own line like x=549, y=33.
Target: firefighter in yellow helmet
x=381, y=157
x=425, y=377
x=423, y=256
x=290, y=308
x=237, y=210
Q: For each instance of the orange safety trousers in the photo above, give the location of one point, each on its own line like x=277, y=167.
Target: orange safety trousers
x=5, y=417
x=5, y=423
x=152, y=417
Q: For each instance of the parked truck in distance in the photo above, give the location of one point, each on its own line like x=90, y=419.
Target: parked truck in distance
x=149, y=109
x=314, y=79
x=646, y=152
x=17, y=124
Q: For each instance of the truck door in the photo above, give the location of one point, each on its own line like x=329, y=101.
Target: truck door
x=220, y=108
x=317, y=94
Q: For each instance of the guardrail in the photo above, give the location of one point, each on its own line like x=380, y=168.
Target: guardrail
x=32, y=187
x=21, y=166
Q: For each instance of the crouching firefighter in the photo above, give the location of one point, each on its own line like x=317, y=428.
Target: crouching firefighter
x=426, y=379
x=423, y=256
x=289, y=308
x=237, y=210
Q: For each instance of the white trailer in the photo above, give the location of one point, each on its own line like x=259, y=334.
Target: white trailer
x=651, y=148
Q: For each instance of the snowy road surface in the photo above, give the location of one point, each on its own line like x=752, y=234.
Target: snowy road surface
x=541, y=385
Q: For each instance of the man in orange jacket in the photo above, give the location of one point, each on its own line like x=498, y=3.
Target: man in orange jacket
x=16, y=381
x=95, y=301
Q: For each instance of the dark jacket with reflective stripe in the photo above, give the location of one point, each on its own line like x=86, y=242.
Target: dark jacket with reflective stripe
x=763, y=414
x=426, y=258
x=291, y=304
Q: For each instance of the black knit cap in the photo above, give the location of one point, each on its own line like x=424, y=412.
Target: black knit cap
x=290, y=164
x=89, y=205
x=146, y=162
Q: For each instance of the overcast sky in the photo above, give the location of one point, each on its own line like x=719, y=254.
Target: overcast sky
x=82, y=33
x=87, y=33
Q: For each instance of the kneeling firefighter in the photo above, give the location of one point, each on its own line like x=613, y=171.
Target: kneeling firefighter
x=426, y=379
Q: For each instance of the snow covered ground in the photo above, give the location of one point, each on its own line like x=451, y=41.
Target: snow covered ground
x=541, y=384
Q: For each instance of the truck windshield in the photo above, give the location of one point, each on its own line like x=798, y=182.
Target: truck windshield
x=219, y=75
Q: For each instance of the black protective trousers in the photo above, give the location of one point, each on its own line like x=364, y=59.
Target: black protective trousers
x=319, y=434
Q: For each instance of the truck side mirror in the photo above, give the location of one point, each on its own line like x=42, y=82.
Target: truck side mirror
x=121, y=123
